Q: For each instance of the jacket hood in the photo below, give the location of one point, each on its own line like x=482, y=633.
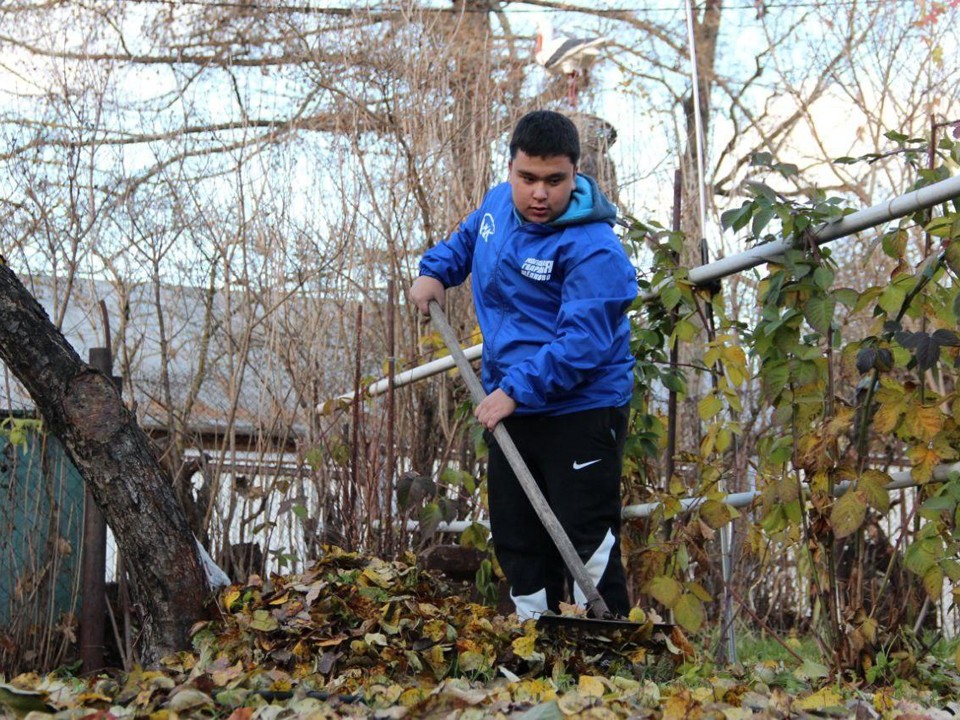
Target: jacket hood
x=587, y=204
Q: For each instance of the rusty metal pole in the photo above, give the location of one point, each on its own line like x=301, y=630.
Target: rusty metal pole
x=353, y=531
x=94, y=560
x=670, y=459
x=391, y=429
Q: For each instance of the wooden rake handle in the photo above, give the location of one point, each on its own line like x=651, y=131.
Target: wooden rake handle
x=595, y=604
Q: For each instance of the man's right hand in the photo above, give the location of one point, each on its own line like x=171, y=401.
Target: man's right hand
x=425, y=289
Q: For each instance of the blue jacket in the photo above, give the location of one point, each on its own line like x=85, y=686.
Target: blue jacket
x=550, y=300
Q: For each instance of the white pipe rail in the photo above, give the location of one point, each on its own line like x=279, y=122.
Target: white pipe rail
x=900, y=480
x=898, y=207
x=405, y=378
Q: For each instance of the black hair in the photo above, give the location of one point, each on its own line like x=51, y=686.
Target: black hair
x=545, y=133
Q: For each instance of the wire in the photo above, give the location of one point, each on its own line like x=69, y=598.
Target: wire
x=759, y=5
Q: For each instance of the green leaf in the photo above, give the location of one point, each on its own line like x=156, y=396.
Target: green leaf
x=818, y=311
x=664, y=589
x=685, y=330
x=264, y=621
x=873, y=484
x=932, y=508
x=811, y=670
x=671, y=296
x=764, y=215
x=476, y=536
x=774, y=376
x=430, y=517
x=952, y=255
x=775, y=520
x=689, y=612
x=848, y=514
x=891, y=299
x=763, y=190
x=847, y=297
x=922, y=555
x=737, y=219
x=895, y=244
x=823, y=277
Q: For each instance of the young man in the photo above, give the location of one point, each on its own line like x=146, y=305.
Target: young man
x=551, y=285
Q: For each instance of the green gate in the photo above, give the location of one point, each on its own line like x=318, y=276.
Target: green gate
x=41, y=530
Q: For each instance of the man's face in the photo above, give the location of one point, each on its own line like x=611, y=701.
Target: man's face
x=542, y=186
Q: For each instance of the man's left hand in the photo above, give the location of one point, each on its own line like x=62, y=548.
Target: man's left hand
x=494, y=408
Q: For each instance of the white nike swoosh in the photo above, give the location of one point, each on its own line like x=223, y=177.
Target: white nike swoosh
x=580, y=466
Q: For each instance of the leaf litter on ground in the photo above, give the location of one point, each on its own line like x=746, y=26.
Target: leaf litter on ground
x=361, y=637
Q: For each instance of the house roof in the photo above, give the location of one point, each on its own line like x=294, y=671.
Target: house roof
x=254, y=363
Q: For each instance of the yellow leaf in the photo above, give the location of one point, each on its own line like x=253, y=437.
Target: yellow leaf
x=709, y=406
x=435, y=658
x=886, y=417
x=923, y=422
x=591, y=686
x=704, y=694
x=841, y=423
x=525, y=647
x=724, y=438
x=933, y=582
x=539, y=690
x=471, y=660
x=413, y=696
x=848, y=513
x=883, y=700
x=682, y=707
x=823, y=698
x=923, y=460
x=715, y=514
x=230, y=597
x=873, y=484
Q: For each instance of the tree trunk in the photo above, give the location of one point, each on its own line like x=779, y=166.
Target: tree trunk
x=81, y=407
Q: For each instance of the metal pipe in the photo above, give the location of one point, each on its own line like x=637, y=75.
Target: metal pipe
x=434, y=367
x=900, y=480
x=899, y=206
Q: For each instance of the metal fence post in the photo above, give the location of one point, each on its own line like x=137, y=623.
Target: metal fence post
x=94, y=563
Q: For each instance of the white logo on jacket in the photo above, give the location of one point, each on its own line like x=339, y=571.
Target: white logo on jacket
x=537, y=269
x=487, y=227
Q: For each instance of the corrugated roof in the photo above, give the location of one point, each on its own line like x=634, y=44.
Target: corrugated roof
x=274, y=355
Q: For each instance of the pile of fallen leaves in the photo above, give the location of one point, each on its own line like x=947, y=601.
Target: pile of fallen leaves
x=360, y=637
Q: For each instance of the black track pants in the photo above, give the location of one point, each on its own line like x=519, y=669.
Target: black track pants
x=576, y=459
